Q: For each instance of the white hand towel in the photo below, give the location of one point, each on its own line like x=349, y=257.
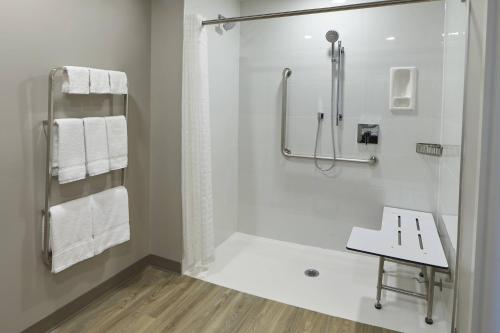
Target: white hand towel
x=96, y=145
x=118, y=82
x=110, y=218
x=71, y=233
x=76, y=80
x=99, y=81
x=117, y=142
x=71, y=150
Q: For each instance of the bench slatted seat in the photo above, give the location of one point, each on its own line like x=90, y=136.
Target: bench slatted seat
x=408, y=237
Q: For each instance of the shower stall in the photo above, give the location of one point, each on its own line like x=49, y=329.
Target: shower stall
x=315, y=121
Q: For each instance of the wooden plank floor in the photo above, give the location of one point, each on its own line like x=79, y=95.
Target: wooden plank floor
x=159, y=301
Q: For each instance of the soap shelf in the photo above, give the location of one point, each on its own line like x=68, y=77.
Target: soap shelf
x=432, y=149
x=403, y=88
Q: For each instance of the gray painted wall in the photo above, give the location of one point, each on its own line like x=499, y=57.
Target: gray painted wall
x=489, y=292
x=485, y=306
x=166, y=98
x=36, y=36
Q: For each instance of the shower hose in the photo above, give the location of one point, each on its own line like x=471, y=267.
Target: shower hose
x=318, y=131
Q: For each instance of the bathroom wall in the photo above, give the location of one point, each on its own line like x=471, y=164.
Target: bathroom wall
x=37, y=36
x=166, y=97
x=223, y=58
x=488, y=296
x=289, y=199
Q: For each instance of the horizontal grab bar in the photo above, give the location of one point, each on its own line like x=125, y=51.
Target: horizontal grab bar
x=371, y=161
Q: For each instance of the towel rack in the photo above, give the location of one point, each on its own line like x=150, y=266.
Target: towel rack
x=49, y=132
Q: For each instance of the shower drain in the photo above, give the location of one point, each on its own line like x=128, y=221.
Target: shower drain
x=311, y=272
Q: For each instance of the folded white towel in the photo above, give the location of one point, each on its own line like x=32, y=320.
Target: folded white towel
x=117, y=142
x=71, y=233
x=96, y=145
x=118, y=82
x=110, y=218
x=70, y=150
x=76, y=80
x=99, y=81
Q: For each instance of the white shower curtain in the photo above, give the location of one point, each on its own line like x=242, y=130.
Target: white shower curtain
x=197, y=201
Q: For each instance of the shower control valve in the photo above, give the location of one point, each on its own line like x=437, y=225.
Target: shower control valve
x=368, y=133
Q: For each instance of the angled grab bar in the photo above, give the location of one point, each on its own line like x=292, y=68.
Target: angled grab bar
x=287, y=153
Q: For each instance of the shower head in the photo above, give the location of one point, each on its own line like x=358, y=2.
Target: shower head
x=332, y=36
x=227, y=26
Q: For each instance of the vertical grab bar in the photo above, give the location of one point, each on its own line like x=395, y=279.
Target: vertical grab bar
x=287, y=72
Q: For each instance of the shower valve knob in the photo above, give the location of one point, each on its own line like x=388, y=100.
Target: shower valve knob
x=368, y=133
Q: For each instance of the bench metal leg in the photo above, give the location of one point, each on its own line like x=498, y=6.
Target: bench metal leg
x=426, y=279
x=430, y=296
x=423, y=272
x=379, y=282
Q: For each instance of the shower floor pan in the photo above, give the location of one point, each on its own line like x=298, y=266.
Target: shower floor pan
x=345, y=286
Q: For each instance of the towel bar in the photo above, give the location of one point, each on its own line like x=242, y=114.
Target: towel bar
x=49, y=131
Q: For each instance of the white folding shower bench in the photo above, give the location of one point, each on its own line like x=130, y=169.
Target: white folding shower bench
x=407, y=237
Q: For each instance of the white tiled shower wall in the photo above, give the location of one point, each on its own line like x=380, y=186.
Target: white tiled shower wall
x=290, y=200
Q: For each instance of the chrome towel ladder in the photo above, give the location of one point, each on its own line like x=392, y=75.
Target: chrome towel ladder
x=49, y=133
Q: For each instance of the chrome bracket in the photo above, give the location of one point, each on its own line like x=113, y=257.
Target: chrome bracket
x=44, y=125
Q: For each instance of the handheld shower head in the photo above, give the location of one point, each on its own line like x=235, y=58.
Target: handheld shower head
x=332, y=36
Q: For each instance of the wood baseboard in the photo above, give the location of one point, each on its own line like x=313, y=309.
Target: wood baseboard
x=51, y=321
x=164, y=263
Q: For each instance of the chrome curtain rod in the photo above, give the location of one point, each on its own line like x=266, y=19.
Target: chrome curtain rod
x=374, y=4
